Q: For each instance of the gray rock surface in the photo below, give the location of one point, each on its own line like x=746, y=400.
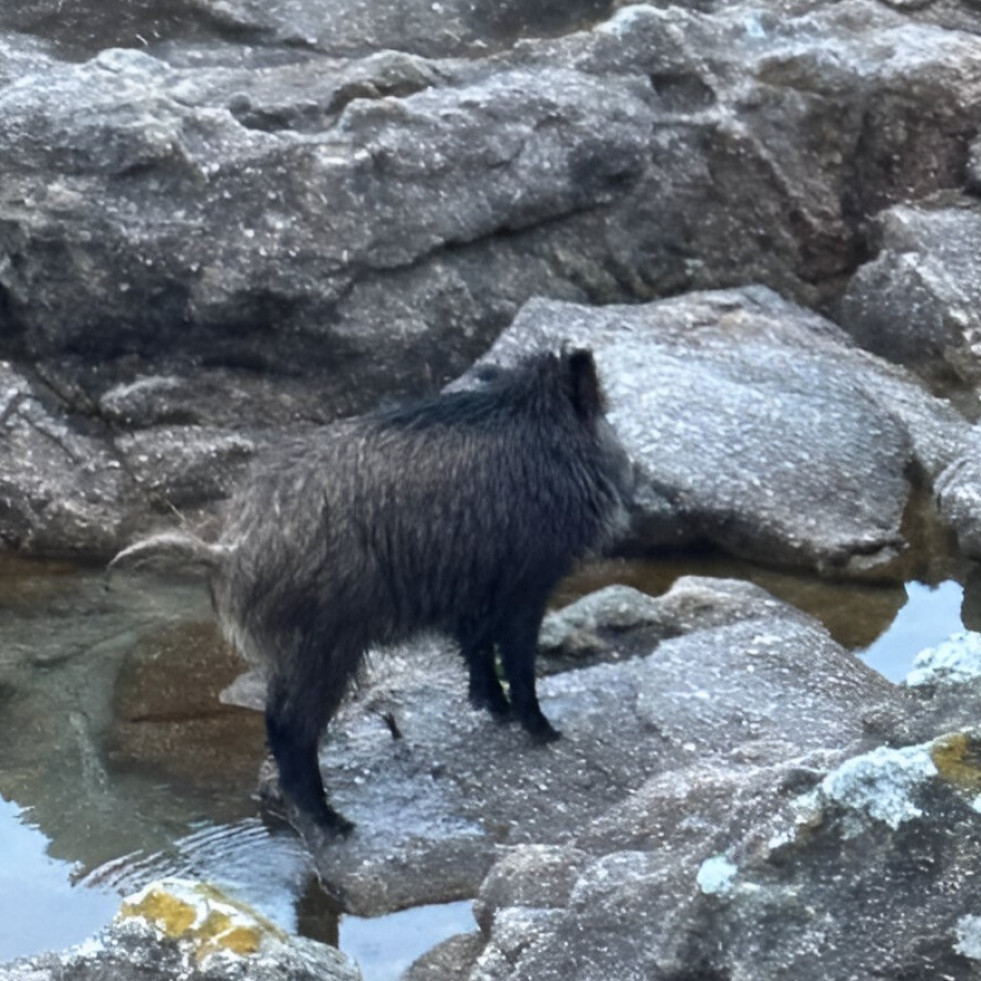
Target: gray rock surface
x=743, y=867
x=60, y=489
x=757, y=425
x=746, y=681
x=730, y=782
x=184, y=929
x=958, y=491
x=343, y=27
x=917, y=301
x=248, y=215
x=68, y=489
x=322, y=179
x=225, y=219
x=748, y=874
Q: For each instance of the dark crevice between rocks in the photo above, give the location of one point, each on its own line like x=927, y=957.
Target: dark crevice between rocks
x=80, y=31
x=316, y=117
x=932, y=554
x=683, y=92
x=511, y=20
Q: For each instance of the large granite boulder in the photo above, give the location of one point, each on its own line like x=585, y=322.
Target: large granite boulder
x=250, y=216
x=756, y=424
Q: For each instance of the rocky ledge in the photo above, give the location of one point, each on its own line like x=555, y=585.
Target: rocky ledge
x=735, y=797
x=733, y=792
x=220, y=220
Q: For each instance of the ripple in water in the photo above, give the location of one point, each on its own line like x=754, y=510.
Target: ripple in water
x=267, y=871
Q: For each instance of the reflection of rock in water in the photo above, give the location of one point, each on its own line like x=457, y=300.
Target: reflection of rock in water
x=94, y=775
x=167, y=714
x=272, y=872
x=971, y=607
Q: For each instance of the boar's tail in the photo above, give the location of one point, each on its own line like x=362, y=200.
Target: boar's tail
x=171, y=550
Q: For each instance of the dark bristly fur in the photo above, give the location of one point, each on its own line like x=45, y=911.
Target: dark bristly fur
x=459, y=513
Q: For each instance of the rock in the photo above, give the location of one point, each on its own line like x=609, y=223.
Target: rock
x=250, y=236
x=536, y=876
x=79, y=28
x=448, y=961
x=347, y=27
x=597, y=624
x=268, y=193
x=67, y=487
x=776, y=399
x=60, y=489
x=958, y=494
x=956, y=660
x=746, y=874
x=373, y=221
x=180, y=928
x=917, y=301
x=235, y=401
x=181, y=466
x=749, y=682
x=756, y=422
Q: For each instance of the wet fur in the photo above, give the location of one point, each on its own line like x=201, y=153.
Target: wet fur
x=459, y=514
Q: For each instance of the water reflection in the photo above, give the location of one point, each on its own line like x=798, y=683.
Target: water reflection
x=929, y=615
x=39, y=907
x=855, y=613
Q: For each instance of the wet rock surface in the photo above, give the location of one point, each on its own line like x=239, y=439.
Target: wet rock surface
x=745, y=678
x=225, y=220
x=739, y=864
x=727, y=771
x=178, y=928
x=867, y=865
x=242, y=216
x=737, y=406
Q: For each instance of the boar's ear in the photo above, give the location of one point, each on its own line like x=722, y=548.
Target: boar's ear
x=587, y=395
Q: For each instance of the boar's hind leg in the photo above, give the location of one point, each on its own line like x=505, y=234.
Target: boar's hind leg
x=298, y=708
x=518, y=634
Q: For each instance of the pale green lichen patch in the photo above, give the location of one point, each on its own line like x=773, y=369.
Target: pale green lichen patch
x=879, y=785
x=876, y=786
x=200, y=917
x=716, y=875
x=969, y=937
x=955, y=661
x=883, y=785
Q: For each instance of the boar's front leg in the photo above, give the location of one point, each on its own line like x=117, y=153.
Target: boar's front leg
x=518, y=635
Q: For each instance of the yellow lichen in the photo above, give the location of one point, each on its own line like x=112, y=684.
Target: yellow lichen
x=172, y=916
x=957, y=757
x=220, y=932
x=201, y=916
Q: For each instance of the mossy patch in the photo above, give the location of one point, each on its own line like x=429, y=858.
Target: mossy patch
x=173, y=917
x=957, y=757
x=201, y=916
